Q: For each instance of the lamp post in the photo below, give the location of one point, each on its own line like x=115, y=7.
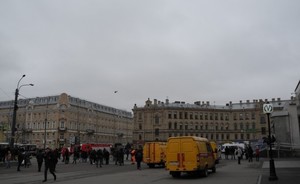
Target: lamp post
x=13, y=127
x=268, y=109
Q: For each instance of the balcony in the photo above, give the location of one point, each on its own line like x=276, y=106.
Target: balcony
x=27, y=130
x=90, y=131
x=63, y=129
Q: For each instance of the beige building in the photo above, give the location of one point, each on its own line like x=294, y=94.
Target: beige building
x=233, y=122
x=68, y=120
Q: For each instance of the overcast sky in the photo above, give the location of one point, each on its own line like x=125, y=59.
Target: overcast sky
x=183, y=50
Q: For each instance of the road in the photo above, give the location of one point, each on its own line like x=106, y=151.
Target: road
x=228, y=171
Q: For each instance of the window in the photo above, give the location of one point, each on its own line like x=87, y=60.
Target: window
x=211, y=116
x=170, y=115
x=248, y=136
x=253, y=115
x=234, y=116
x=175, y=115
x=235, y=126
x=62, y=124
x=253, y=126
x=196, y=115
x=246, y=116
x=170, y=125
x=175, y=126
x=226, y=117
x=157, y=132
x=140, y=137
x=140, y=126
x=201, y=116
x=156, y=119
x=241, y=126
x=241, y=116
x=263, y=130
x=262, y=119
x=216, y=116
x=221, y=116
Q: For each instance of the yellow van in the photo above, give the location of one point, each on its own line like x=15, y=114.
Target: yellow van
x=154, y=153
x=189, y=154
x=214, y=147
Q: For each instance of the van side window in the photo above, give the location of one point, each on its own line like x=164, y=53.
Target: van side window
x=209, y=150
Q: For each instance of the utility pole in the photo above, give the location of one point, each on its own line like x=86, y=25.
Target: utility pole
x=13, y=127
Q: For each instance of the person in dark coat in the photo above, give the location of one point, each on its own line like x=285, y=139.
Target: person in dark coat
x=40, y=158
x=106, y=156
x=49, y=163
x=21, y=156
x=99, y=156
x=139, y=158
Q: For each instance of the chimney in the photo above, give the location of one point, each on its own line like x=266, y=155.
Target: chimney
x=167, y=101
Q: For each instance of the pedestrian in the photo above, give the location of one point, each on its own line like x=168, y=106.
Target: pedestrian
x=250, y=154
x=239, y=153
x=67, y=156
x=7, y=159
x=99, y=156
x=139, y=158
x=226, y=152
x=132, y=154
x=39, y=159
x=55, y=154
x=257, y=154
x=21, y=156
x=106, y=156
x=75, y=156
x=27, y=162
x=49, y=163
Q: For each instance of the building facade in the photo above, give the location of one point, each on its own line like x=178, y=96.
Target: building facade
x=62, y=120
x=286, y=124
x=233, y=122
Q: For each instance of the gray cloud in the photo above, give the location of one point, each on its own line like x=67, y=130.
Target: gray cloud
x=185, y=50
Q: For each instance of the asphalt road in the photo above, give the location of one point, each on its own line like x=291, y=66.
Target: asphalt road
x=228, y=171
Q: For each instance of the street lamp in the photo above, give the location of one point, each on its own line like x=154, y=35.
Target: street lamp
x=268, y=109
x=13, y=127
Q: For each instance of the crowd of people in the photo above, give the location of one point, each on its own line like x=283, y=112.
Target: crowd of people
x=50, y=157
x=238, y=153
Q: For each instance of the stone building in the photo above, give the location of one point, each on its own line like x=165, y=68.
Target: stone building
x=286, y=124
x=233, y=122
x=68, y=120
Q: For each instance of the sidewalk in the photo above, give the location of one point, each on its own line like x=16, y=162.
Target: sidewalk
x=287, y=171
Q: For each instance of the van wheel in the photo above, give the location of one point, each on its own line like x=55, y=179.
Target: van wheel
x=205, y=172
x=214, y=169
x=175, y=174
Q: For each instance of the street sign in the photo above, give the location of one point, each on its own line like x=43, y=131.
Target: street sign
x=268, y=108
